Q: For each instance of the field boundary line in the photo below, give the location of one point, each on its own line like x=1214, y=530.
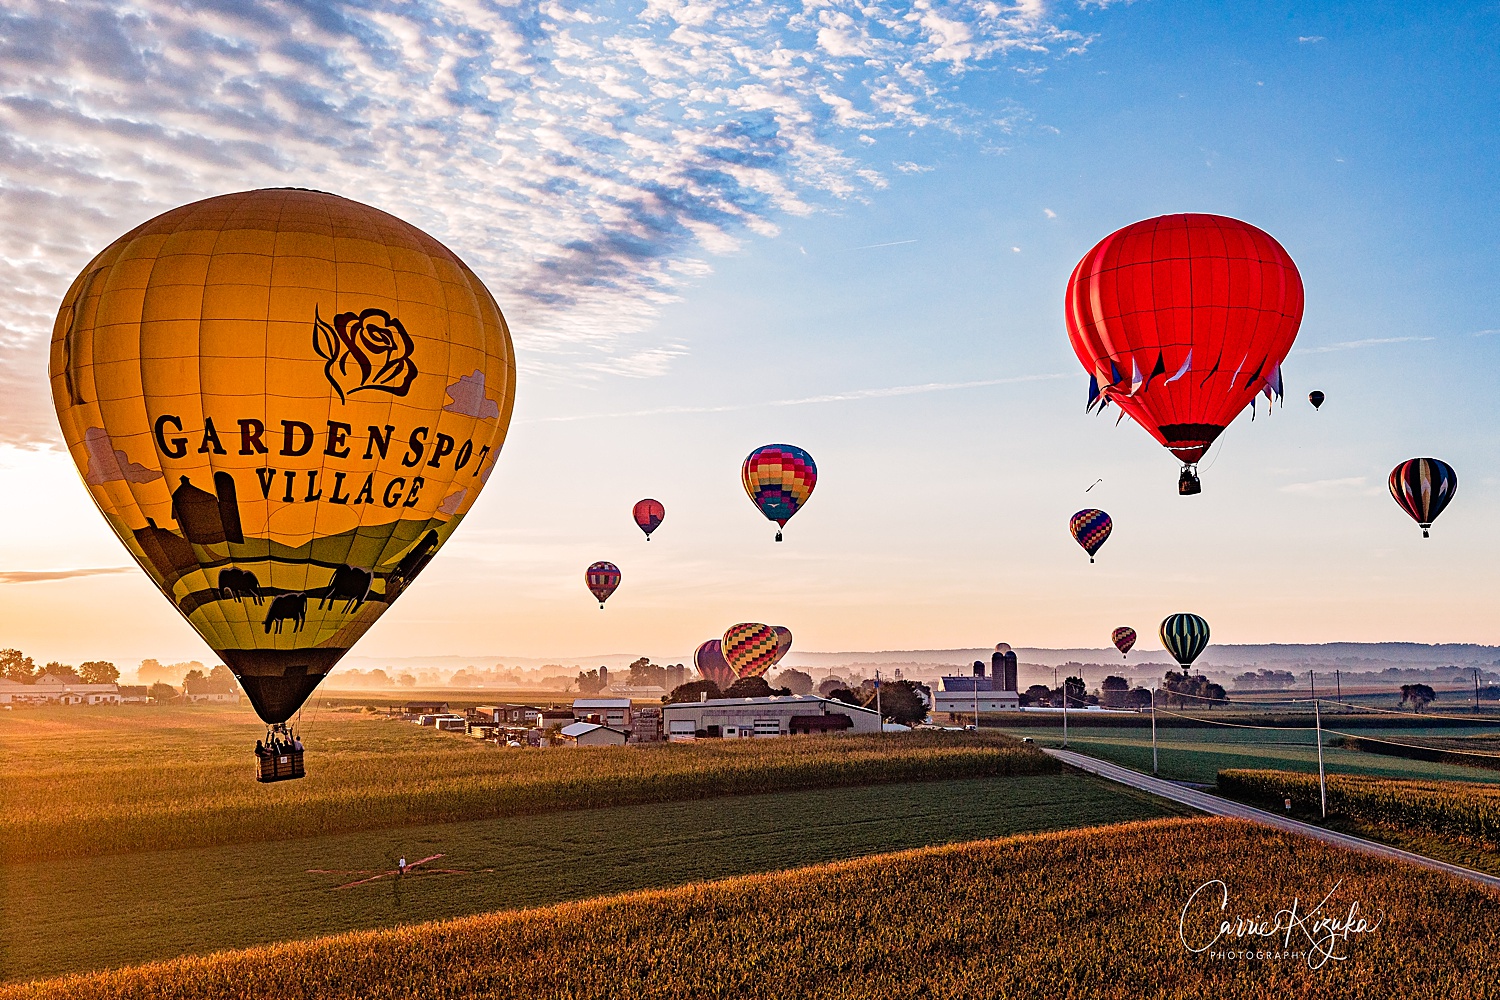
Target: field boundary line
x=1216, y=806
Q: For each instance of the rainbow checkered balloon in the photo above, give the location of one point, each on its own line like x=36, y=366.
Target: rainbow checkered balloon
x=1090, y=528
x=779, y=478
x=750, y=648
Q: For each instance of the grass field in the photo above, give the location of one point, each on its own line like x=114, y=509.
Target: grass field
x=1068, y=915
x=89, y=781
x=92, y=913
x=1200, y=754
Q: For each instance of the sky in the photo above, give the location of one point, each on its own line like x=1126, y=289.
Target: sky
x=716, y=225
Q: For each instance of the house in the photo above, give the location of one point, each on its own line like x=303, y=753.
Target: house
x=962, y=694
x=608, y=711
x=553, y=717
x=50, y=689
x=592, y=734
x=134, y=694
x=636, y=692
x=90, y=694
x=412, y=708
x=778, y=715
x=205, y=691
x=514, y=715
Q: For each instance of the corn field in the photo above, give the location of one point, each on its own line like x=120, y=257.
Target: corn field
x=152, y=790
x=1079, y=914
x=1461, y=810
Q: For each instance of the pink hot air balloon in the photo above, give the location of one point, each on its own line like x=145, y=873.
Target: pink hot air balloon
x=783, y=643
x=602, y=578
x=648, y=515
x=709, y=659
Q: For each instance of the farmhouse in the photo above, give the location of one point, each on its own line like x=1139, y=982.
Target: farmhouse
x=205, y=691
x=49, y=689
x=778, y=715
x=609, y=711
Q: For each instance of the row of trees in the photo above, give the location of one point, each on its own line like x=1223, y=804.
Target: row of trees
x=905, y=702
x=18, y=667
x=1177, y=689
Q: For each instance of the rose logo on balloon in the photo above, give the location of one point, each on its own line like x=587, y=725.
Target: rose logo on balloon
x=367, y=350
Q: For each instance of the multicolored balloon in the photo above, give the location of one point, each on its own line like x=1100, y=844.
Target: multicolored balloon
x=1423, y=487
x=1123, y=638
x=783, y=642
x=1316, y=398
x=341, y=363
x=648, y=515
x=779, y=478
x=709, y=659
x=750, y=649
x=1090, y=528
x=1181, y=321
x=602, y=579
x=1184, y=636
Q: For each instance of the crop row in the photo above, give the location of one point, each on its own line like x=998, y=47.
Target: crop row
x=144, y=799
x=1086, y=913
x=1466, y=811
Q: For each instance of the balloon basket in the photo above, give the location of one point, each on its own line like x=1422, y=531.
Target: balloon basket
x=778, y=536
x=285, y=765
x=1187, y=483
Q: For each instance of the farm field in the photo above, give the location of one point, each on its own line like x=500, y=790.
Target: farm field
x=91, y=913
x=93, y=781
x=1074, y=914
x=1199, y=754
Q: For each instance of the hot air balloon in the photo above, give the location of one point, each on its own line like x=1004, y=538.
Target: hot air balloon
x=1180, y=321
x=1184, y=636
x=602, y=579
x=1090, y=528
x=648, y=515
x=709, y=659
x=1123, y=638
x=750, y=649
x=283, y=402
x=783, y=643
x=779, y=478
x=1316, y=398
x=1423, y=487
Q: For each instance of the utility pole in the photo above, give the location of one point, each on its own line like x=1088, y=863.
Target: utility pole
x=1153, y=731
x=1065, y=707
x=1318, y=716
x=877, y=704
x=1338, y=687
x=1476, y=689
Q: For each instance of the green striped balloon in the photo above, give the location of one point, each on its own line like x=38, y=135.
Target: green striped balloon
x=1184, y=636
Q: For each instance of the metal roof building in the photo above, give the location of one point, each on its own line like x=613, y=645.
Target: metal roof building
x=778, y=715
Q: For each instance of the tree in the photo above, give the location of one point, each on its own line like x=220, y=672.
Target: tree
x=1073, y=691
x=752, y=687
x=98, y=672
x=1037, y=694
x=1418, y=696
x=901, y=702
x=221, y=678
x=844, y=695
x=795, y=681
x=831, y=684
x=693, y=691
x=406, y=681
x=1113, y=691
x=191, y=677
x=62, y=672
x=161, y=692
x=1191, y=690
x=644, y=673
x=17, y=666
x=1138, y=698
x=590, y=682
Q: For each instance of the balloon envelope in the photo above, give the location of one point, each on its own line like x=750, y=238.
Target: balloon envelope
x=1123, y=638
x=602, y=578
x=750, y=648
x=648, y=516
x=1316, y=398
x=284, y=403
x=1181, y=320
x=783, y=643
x=779, y=478
x=1423, y=487
x=1090, y=528
x=1184, y=636
x=709, y=659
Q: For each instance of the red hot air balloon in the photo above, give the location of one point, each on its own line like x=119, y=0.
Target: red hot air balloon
x=1180, y=321
x=709, y=659
x=649, y=515
x=1123, y=638
x=602, y=579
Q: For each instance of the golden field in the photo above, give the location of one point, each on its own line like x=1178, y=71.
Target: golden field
x=80, y=782
x=1078, y=914
x=1459, y=810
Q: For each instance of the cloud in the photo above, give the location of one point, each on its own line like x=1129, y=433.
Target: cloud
x=1349, y=345
x=1049, y=213
x=1485, y=333
x=1310, y=39
x=1352, y=484
x=43, y=576
x=839, y=397
x=583, y=162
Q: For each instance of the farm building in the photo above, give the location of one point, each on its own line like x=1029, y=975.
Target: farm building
x=49, y=689
x=778, y=715
x=134, y=694
x=591, y=734
x=413, y=708
x=205, y=691
x=963, y=694
x=514, y=715
x=609, y=711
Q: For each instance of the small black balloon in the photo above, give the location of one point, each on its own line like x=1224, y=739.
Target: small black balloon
x=1316, y=398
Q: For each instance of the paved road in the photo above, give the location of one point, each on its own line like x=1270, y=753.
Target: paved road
x=1216, y=806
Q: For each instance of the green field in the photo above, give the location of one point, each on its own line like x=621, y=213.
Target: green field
x=1199, y=754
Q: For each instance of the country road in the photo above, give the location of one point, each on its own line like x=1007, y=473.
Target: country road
x=1216, y=806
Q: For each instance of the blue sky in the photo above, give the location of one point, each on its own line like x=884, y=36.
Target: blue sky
x=699, y=217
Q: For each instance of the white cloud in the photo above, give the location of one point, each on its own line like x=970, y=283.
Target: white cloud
x=1351, y=484
x=582, y=161
x=1349, y=345
x=1310, y=39
x=1049, y=213
x=908, y=167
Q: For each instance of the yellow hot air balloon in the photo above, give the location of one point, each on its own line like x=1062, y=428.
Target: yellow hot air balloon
x=283, y=402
